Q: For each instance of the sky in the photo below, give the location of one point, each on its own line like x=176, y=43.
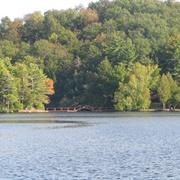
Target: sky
x=18, y=8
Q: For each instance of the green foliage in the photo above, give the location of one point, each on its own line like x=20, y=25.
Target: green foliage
x=8, y=90
x=175, y=93
x=107, y=81
x=173, y=56
x=133, y=95
x=91, y=32
x=134, y=87
x=121, y=49
x=33, y=27
x=22, y=86
x=168, y=91
x=7, y=49
x=164, y=90
x=101, y=55
x=37, y=87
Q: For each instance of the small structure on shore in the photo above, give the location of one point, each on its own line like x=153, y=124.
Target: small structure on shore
x=79, y=108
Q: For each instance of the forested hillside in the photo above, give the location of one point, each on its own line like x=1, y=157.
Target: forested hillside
x=113, y=54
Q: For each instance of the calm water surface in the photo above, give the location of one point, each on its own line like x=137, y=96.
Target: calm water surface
x=85, y=146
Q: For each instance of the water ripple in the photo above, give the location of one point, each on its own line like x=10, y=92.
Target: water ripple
x=82, y=146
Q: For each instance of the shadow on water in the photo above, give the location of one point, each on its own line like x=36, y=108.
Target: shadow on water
x=62, y=123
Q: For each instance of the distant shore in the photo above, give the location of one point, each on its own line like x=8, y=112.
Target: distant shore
x=159, y=110
x=141, y=110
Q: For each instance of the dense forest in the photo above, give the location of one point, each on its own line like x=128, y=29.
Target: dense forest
x=118, y=53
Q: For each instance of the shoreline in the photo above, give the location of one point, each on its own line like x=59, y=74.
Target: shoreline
x=32, y=111
x=141, y=110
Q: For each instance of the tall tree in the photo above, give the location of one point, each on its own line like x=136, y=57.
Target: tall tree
x=5, y=26
x=33, y=27
x=37, y=87
x=134, y=87
x=21, y=73
x=8, y=91
x=121, y=49
x=172, y=54
x=175, y=92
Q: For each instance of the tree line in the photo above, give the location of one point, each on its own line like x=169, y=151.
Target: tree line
x=112, y=53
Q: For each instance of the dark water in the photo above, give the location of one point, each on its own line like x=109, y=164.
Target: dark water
x=80, y=146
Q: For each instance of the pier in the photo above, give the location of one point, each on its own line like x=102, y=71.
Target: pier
x=79, y=108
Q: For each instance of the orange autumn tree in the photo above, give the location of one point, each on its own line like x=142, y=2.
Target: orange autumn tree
x=50, y=86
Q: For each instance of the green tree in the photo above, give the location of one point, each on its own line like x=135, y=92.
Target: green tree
x=11, y=31
x=176, y=98
x=142, y=46
x=21, y=73
x=67, y=39
x=121, y=48
x=107, y=83
x=7, y=49
x=173, y=56
x=8, y=91
x=51, y=23
x=134, y=87
x=5, y=26
x=91, y=31
x=110, y=26
x=23, y=49
x=33, y=27
x=38, y=89
x=175, y=93
x=32, y=86
x=65, y=17
x=132, y=95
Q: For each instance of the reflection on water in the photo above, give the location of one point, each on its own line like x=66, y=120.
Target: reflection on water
x=65, y=124
x=90, y=146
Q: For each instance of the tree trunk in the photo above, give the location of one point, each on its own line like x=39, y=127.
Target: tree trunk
x=164, y=106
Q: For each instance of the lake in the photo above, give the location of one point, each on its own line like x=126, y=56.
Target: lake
x=90, y=146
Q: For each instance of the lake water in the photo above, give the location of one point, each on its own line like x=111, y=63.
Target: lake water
x=90, y=146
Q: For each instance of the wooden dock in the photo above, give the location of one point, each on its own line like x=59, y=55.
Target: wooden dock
x=61, y=109
x=79, y=108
